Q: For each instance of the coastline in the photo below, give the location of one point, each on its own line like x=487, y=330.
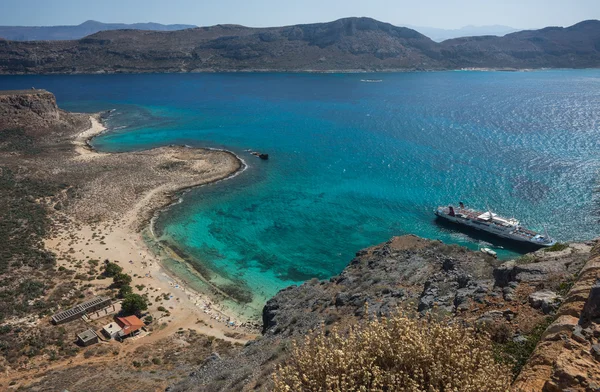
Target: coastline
x=301, y=71
x=161, y=249
x=127, y=240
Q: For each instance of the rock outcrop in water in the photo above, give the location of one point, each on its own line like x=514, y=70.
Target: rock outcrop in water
x=407, y=274
x=351, y=44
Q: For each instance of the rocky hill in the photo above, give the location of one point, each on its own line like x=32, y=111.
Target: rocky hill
x=513, y=301
x=568, y=356
x=28, y=108
x=440, y=35
x=553, y=47
x=53, y=33
x=352, y=44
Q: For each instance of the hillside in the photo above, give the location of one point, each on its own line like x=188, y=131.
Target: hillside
x=54, y=33
x=439, y=35
x=352, y=44
x=553, y=47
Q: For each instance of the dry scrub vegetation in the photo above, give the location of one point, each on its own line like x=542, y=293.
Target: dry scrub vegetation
x=399, y=353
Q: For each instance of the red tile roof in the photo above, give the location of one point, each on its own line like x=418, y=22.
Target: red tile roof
x=130, y=324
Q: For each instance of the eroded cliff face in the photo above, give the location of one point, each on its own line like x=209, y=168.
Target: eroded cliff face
x=410, y=274
x=30, y=121
x=28, y=108
x=568, y=355
x=34, y=111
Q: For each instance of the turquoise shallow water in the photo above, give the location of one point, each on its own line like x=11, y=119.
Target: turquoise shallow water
x=354, y=163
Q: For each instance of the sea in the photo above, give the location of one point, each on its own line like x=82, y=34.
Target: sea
x=354, y=159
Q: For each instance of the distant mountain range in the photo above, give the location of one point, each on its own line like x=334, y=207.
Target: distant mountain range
x=350, y=44
x=440, y=35
x=54, y=33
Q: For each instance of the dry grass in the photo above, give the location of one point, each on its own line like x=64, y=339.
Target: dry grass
x=394, y=354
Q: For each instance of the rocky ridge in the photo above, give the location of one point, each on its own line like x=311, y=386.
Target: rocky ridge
x=568, y=355
x=407, y=274
x=350, y=44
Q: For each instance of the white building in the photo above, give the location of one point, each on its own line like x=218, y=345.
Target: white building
x=111, y=330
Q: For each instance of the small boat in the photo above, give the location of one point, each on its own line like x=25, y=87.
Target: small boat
x=260, y=155
x=508, y=228
x=488, y=251
x=371, y=80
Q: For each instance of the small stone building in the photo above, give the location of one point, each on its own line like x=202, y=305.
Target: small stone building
x=87, y=338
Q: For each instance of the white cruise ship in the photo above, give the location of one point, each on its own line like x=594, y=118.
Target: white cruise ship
x=493, y=224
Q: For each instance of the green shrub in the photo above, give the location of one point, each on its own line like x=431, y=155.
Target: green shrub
x=556, y=247
x=134, y=304
x=526, y=259
x=112, y=269
x=516, y=354
x=121, y=279
x=124, y=291
x=565, y=287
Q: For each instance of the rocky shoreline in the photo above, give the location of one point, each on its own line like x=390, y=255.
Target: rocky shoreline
x=414, y=276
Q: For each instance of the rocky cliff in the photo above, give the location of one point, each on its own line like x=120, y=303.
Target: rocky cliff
x=568, y=355
x=34, y=111
x=512, y=301
x=28, y=108
x=553, y=47
x=360, y=44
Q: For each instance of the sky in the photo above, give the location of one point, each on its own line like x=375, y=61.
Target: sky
x=447, y=14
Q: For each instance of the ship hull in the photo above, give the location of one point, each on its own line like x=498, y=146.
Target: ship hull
x=483, y=230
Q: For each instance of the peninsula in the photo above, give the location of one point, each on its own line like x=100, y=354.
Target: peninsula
x=84, y=209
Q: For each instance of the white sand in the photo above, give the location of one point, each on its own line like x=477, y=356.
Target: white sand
x=119, y=240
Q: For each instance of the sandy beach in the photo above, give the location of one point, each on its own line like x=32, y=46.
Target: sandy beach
x=86, y=232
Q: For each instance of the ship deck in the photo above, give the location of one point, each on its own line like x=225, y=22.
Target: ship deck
x=474, y=215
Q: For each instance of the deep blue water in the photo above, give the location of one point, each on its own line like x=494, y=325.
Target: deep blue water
x=354, y=163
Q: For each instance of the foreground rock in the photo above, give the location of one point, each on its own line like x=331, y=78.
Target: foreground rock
x=409, y=274
x=546, y=300
x=568, y=356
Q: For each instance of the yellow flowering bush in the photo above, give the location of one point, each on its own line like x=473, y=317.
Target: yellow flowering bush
x=394, y=354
